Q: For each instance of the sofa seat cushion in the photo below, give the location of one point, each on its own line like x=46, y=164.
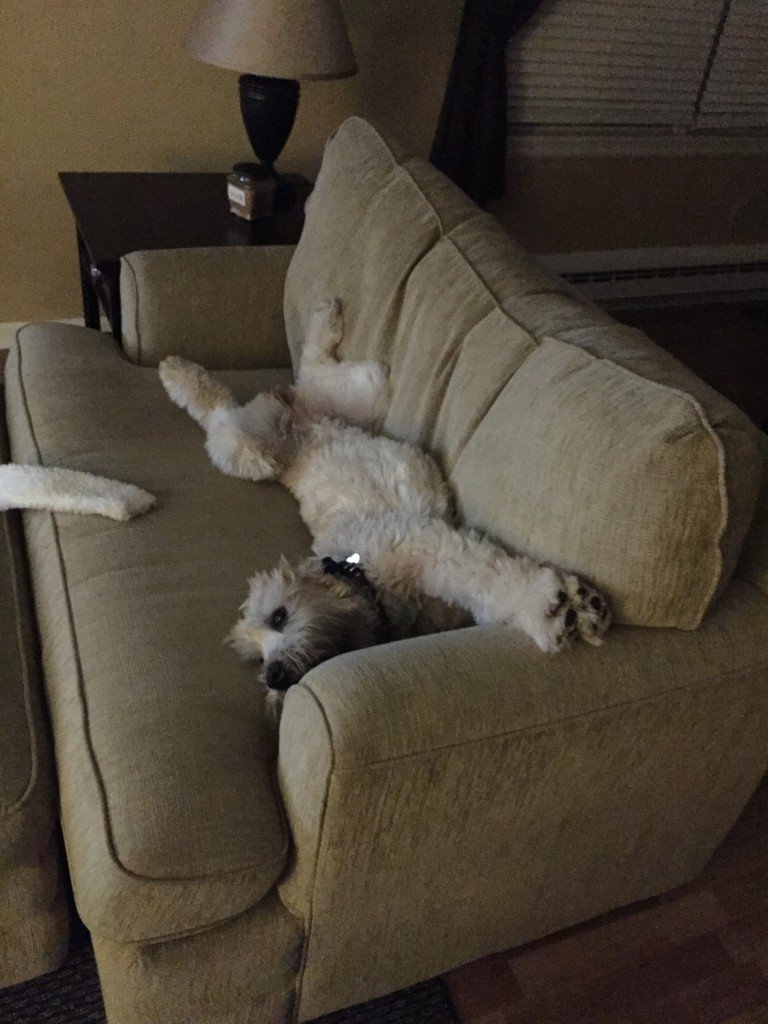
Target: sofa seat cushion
x=168, y=803
x=648, y=489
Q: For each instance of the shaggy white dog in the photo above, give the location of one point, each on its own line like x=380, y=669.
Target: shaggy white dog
x=384, y=500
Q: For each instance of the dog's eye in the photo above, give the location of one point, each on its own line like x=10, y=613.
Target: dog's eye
x=277, y=619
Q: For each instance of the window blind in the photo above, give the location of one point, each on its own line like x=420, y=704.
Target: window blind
x=736, y=90
x=612, y=62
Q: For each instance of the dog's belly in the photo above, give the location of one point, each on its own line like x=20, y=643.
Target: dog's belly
x=344, y=474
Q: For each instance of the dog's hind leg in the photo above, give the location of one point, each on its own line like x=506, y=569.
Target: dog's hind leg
x=460, y=566
x=193, y=389
x=325, y=330
x=248, y=441
x=356, y=391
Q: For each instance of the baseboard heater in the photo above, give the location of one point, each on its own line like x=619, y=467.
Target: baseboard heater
x=620, y=278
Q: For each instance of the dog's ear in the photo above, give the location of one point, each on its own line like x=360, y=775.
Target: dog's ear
x=245, y=642
x=311, y=566
x=285, y=570
x=285, y=394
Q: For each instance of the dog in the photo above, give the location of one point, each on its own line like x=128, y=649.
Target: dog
x=385, y=502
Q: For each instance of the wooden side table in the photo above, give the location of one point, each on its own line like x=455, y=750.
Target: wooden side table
x=118, y=213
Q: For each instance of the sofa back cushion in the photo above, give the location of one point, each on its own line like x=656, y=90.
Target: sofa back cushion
x=563, y=434
x=347, y=248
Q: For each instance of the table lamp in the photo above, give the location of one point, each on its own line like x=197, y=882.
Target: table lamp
x=273, y=43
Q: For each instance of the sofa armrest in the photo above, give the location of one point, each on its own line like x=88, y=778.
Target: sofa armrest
x=466, y=788
x=34, y=920
x=222, y=307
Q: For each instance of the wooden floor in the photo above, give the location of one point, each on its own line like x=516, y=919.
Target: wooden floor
x=696, y=956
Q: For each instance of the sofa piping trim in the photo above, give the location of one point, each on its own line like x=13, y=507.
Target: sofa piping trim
x=609, y=709
x=320, y=834
x=717, y=569
x=34, y=752
x=126, y=261
x=275, y=863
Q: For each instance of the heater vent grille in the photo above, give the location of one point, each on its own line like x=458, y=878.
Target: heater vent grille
x=651, y=273
x=688, y=273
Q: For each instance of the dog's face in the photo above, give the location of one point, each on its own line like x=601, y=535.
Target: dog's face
x=295, y=618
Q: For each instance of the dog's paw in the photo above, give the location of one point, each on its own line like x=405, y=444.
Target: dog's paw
x=328, y=313
x=179, y=377
x=593, y=614
x=565, y=609
x=191, y=387
x=324, y=330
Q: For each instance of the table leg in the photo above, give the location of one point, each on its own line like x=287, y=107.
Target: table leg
x=115, y=311
x=90, y=298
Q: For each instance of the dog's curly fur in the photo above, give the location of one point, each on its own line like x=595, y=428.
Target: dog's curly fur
x=360, y=491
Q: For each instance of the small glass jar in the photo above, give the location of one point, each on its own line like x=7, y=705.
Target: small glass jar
x=251, y=190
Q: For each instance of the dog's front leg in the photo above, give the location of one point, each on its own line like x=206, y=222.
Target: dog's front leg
x=551, y=606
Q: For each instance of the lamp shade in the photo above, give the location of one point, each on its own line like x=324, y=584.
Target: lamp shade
x=297, y=39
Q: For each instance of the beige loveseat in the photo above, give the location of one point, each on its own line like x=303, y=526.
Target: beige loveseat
x=430, y=801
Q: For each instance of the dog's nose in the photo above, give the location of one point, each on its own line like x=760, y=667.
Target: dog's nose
x=278, y=676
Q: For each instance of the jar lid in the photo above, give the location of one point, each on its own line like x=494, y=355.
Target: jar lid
x=249, y=171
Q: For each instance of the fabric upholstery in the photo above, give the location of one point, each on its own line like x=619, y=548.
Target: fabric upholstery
x=463, y=787
x=343, y=252
x=438, y=291
x=753, y=565
x=240, y=972
x=168, y=804
x=222, y=307
x=608, y=463
x=17, y=746
x=34, y=925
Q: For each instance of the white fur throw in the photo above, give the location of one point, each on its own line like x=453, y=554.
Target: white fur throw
x=67, y=490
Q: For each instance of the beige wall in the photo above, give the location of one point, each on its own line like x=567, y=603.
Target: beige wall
x=105, y=85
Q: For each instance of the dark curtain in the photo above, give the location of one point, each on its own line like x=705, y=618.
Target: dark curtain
x=470, y=144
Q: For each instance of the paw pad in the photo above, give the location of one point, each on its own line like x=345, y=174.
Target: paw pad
x=592, y=611
x=576, y=611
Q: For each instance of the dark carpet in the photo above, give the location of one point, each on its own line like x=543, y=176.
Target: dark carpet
x=71, y=995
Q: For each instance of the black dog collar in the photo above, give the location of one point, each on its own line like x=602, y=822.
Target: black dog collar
x=353, y=573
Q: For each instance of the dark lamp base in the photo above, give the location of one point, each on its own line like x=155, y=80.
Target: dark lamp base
x=268, y=106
